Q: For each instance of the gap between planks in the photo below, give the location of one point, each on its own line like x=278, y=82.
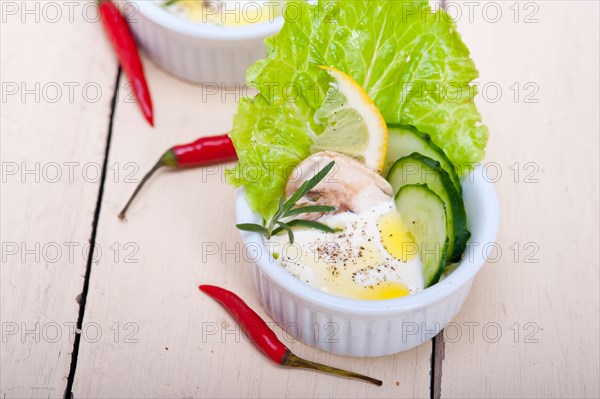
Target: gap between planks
x=88, y=268
x=437, y=348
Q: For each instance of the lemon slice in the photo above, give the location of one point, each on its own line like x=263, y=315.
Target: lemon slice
x=353, y=124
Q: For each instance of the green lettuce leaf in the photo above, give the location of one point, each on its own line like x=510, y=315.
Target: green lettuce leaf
x=410, y=60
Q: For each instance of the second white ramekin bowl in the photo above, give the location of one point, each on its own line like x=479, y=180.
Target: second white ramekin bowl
x=197, y=52
x=372, y=328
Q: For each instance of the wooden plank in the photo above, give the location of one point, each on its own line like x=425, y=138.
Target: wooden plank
x=164, y=347
x=57, y=71
x=530, y=325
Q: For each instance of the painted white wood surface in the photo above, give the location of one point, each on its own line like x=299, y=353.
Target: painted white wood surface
x=175, y=225
x=56, y=95
x=554, y=222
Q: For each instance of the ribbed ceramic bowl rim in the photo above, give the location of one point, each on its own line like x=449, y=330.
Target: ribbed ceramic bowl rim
x=487, y=221
x=160, y=16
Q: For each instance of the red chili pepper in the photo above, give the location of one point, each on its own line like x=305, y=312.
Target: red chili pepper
x=204, y=151
x=265, y=339
x=124, y=45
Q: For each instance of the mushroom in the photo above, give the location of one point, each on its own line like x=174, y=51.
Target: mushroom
x=350, y=186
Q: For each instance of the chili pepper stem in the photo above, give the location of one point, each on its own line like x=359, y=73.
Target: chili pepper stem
x=292, y=360
x=168, y=159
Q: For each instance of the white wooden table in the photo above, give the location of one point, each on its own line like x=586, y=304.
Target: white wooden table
x=128, y=322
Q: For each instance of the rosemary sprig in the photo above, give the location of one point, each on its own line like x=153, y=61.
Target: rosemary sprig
x=286, y=209
x=170, y=2
x=305, y=223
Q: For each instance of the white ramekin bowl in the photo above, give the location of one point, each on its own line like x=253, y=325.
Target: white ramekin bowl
x=372, y=328
x=198, y=52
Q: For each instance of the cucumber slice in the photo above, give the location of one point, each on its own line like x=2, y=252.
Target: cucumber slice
x=404, y=140
x=424, y=213
x=419, y=169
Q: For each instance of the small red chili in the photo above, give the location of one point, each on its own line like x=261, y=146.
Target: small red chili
x=204, y=151
x=124, y=45
x=265, y=339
